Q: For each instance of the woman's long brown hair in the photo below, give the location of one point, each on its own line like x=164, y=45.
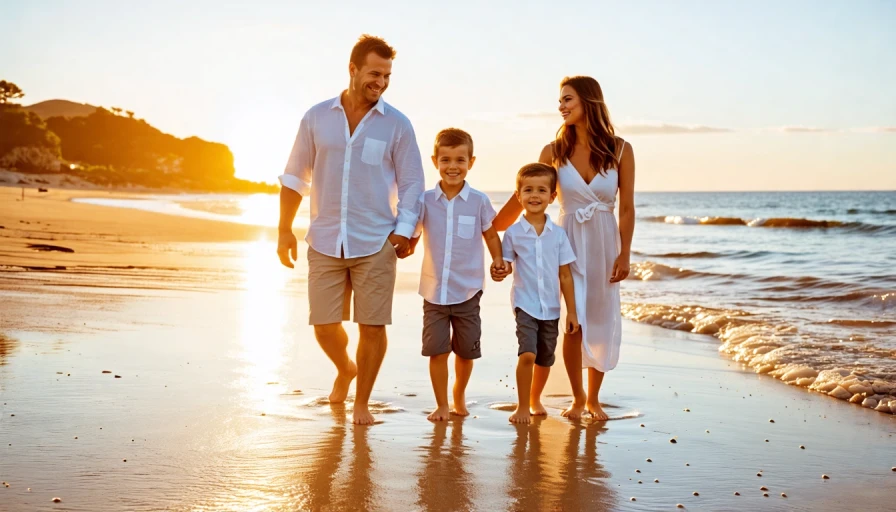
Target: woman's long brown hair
x=602, y=140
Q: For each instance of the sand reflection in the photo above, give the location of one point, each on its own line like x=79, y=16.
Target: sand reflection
x=443, y=482
x=7, y=346
x=544, y=477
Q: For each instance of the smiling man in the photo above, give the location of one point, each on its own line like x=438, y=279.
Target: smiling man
x=358, y=159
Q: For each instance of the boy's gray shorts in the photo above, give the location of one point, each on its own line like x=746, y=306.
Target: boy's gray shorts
x=537, y=336
x=453, y=327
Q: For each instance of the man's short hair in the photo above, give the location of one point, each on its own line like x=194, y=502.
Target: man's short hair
x=367, y=44
x=451, y=138
x=537, y=170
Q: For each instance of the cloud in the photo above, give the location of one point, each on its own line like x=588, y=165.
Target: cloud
x=876, y=129
x=667, y=129
x=803, y=129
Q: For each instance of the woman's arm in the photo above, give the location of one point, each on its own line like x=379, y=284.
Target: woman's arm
x=512, y=208
x=626, y=212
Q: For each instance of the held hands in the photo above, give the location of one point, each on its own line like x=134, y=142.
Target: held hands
x=501, y=269
x=287, y=248
x=620, y=268
x=401, y=245
x=572, y=323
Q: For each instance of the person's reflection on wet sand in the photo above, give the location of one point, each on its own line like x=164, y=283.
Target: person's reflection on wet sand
x=326, y=490
x=584, y=479
x=7, y=345
x=443, y=482
x=530, y=485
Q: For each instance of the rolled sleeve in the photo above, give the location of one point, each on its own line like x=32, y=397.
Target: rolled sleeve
x=507, y=247
x=297, y=174
x=410, y=180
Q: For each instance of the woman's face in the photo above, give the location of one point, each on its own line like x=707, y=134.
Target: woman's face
x=570, y=106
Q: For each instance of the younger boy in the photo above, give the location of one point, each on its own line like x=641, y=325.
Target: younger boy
x=539, y=254
x=453, y=217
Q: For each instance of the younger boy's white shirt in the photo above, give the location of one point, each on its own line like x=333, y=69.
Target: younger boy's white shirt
x=453, y=256
x=536, y=266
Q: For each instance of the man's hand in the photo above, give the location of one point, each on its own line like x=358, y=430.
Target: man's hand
x=501, y=269
x=401, y=245
x=413, y=245
x=287, y=248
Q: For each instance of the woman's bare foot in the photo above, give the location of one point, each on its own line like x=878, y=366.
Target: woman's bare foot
x=459, y=409
x=537, y=409
x=342, y=383
x=574, y=411
x=597, y=412
x=521, y=415
x=440, y=414
x=361, y=415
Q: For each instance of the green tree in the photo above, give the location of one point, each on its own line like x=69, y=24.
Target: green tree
x=9, y=91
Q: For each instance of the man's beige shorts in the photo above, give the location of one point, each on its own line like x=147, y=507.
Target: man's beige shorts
x=331, y=282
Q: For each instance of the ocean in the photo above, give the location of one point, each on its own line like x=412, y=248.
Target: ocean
x=799, y=285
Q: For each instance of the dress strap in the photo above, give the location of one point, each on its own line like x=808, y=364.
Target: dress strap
x=621, y=149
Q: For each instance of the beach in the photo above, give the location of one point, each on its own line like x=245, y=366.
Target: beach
x=215, y=396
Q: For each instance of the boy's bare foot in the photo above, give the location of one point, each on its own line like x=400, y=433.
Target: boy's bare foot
x=597, y=412
x=459, y=409
x=342, y=383
x=361, y=415
x=537, y=409
x=521, y=415
x=574, y=411
x=440, y=414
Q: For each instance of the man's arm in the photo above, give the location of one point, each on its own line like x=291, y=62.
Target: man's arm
x=409, y=176
x=295, y=183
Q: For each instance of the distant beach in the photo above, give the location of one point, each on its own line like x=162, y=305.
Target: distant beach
x=214, y=396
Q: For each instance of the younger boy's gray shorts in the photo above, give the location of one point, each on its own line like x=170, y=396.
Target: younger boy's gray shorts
x=452, y=327
x=537, y=336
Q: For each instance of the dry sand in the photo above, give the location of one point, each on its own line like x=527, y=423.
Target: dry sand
x=219, y=404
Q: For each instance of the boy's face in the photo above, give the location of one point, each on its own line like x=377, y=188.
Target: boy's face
x=535, y=193
x=453, y=164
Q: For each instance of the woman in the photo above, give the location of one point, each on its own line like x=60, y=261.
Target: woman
x=592, y=166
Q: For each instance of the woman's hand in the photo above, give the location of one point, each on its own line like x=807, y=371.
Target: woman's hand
x=572, y=322
x=621, y=268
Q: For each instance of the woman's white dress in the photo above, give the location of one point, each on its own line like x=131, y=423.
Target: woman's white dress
x=586, y=213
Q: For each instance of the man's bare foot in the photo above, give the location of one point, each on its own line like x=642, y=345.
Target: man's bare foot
x=521, y=415
x=574, y=411
x=459, y=409
x=361, y=415
x=342, y=383
x=597, y=413
x=440, y=414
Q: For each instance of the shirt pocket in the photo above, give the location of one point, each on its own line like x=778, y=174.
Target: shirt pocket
x=373, y=151
x=466, y=226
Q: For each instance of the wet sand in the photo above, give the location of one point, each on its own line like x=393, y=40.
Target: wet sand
x=220, y=401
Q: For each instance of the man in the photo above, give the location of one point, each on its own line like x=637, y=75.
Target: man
x=357, y=157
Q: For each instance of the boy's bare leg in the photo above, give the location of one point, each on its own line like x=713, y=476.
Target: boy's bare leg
x=539, y=380
x=595, y=379
x=438, y=374
x=334, y=341
x=523, y=388
x=463, y=368
x=572, y=359
x=371, y=350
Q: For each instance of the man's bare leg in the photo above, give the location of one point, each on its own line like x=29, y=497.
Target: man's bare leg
x=523, y=388
x=572, y=359
x=438, y=375
x=463, y=368
x=539, y=381
x=371, y=350
x=595, y=379
x=334, y=341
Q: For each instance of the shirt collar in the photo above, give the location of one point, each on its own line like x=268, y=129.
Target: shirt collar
x=380, y=104
x=548, y=223
x=464, y=192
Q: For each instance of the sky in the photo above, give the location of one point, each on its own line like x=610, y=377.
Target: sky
x=725, y=95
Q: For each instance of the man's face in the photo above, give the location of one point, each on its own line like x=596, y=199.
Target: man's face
x=372, y=79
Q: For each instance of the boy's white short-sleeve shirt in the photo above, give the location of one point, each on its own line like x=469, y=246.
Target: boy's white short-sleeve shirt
x=536, y=266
